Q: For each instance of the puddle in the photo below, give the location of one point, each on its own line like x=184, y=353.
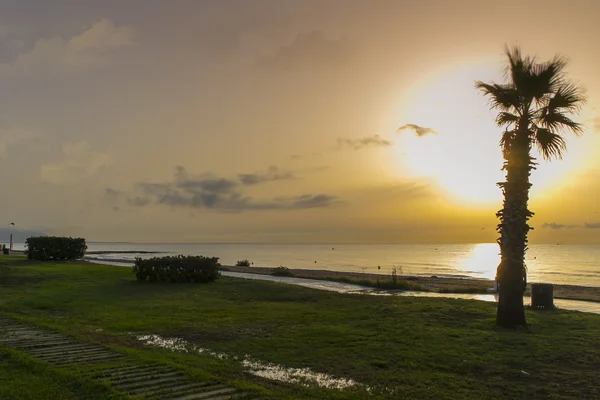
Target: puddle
x=309, y=283
x=301, y=376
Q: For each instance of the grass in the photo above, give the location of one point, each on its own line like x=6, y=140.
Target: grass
x=23, y=378
x=400, y=347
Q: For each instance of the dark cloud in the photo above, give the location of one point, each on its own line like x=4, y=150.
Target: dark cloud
x=224, y=194
x=272, y=174
x=419, y=130
x=369, y=141
x=310, y=48
x=554, y=225
x=112, y=194
x=311, y=201
x=138, y=201
x=592, y=225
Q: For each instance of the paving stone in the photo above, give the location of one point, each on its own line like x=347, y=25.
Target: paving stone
x=150, y=381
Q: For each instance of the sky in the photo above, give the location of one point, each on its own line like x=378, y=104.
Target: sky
x=281, y=120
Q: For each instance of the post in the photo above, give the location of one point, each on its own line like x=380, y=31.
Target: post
x=10, y=242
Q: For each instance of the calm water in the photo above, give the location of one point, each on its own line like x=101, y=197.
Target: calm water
x=565, y=264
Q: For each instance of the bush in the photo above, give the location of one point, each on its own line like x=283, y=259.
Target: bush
x=177, y=269
x=282, y=271
x=243, y=263
x=54, y=248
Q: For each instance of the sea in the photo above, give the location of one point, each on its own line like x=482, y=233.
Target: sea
x=546, y=263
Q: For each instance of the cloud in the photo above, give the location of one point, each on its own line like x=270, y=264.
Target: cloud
x=554, y=225
x=51, y=56
x=210, y=192
x=592, y=225
x=79, y=162
x=369, y=141
x=355, y=144
x=310, y=48
x=272, y=174
x=112, y=193
x=103, y=35
x=419, y=130
x=139, y=201
x=308, y=201
x=314, y=154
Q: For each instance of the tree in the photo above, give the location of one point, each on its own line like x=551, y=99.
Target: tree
x=534, y=109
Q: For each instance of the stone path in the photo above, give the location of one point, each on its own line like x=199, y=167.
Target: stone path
x=147, y=381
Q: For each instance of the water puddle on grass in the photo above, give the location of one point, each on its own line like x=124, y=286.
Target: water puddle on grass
x=300, y=376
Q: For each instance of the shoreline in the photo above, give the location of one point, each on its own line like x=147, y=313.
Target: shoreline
x=436, y=284
x=429, y=283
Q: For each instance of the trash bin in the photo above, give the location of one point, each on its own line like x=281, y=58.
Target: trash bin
x=5, y=250
x=542, y=295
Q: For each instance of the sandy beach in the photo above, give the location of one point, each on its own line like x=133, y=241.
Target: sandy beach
x=431, y=283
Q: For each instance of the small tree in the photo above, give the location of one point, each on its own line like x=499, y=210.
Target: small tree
x=534, y=106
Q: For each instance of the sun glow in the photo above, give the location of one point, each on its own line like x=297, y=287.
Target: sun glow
x=463, y=157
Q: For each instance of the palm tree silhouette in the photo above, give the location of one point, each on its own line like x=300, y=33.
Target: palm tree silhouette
x=534, y=106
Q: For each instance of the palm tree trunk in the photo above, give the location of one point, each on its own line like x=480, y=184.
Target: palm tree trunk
x=513, y=228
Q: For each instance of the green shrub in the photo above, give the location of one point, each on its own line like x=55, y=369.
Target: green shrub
x=54, y=248
x=177, y=269
x=282, y=271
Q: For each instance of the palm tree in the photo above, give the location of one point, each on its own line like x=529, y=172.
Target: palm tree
x=534, y=108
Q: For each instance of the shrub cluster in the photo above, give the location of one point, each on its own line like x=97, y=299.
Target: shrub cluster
x=177, y=269
x=55, y=248
x=243, y=263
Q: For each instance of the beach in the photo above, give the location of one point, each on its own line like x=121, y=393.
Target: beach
x=431, y=283
x=439, y=284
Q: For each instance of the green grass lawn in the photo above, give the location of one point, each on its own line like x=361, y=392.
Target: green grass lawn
x=22, y=378
x=400, y=347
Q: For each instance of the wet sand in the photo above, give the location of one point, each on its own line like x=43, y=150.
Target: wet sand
x=431, y=283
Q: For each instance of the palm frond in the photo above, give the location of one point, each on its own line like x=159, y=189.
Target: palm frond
x=546, y=77
x=519, y=69
x=506, y=118
x=568, y=97
x=550, y=144
x=504, y=97
x=558, y=121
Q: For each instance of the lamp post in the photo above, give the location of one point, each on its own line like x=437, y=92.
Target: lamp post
x=11, y=237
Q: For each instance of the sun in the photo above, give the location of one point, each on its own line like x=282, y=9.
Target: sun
x=464, y=158
x=466, y=167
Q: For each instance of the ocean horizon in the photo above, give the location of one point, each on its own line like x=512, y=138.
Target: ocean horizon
x=548, y=263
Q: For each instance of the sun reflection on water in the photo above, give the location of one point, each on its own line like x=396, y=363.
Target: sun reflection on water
x=482, y=260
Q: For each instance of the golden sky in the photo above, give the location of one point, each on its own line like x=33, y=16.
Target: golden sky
x=278, y=120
